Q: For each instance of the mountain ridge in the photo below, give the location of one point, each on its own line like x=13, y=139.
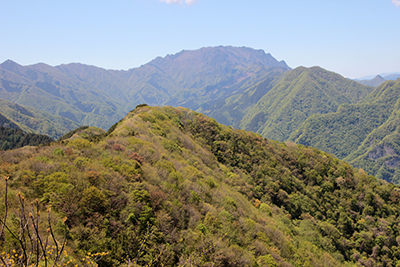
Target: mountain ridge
x=378, y=79
x=185, y=183
x=238, y=86
x=83, y=91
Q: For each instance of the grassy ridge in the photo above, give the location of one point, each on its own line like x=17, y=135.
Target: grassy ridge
x=201, y=193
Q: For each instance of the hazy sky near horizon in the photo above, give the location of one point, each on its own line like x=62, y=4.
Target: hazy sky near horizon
x=352, y=37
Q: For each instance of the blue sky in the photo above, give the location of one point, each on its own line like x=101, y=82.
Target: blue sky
x=352, y=37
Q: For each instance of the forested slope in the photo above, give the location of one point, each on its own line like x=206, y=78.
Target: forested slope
x=300, y=94
x=231, y=110
x=15, y=138
x=171, y=186
x=32, y=120
x=7, y=123
x=364, y=134
x=60, y=93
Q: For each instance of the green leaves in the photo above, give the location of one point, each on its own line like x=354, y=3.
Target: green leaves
x=273, y=203
x=94, y=200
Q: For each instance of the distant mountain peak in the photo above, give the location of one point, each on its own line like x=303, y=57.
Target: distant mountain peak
x=8, y=61
x=220, y=56
x=376, y=81
x=10, y=65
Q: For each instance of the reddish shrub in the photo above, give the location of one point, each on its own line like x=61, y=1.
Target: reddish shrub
x=69, y=151
x=118, y=147
x=157, y=197
x=135, y=156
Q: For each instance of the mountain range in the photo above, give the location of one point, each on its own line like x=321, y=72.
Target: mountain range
x=99, y=97
x=238, y=86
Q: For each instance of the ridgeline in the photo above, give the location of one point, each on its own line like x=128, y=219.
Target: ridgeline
x=169, y=186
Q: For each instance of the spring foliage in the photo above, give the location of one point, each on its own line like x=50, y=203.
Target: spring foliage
x=171, y=187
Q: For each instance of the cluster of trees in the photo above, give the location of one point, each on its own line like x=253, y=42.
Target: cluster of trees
x=172, y=187
x=16, y=138
x=342, y=210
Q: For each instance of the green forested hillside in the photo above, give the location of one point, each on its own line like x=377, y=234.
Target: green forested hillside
x=302, y=93
x=32, y=120
x=231, y=110
x=363, y=134
x=52, y=91
x=13, y=138
x=171, y=187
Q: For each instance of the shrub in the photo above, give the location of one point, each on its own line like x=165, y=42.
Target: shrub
x=79, y=143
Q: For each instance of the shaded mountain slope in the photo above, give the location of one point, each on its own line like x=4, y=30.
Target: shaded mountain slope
x=15, y=138
x=171, y=186
x=302, y=93
x=231, y=110
x=7, y=123
x=364, y=134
